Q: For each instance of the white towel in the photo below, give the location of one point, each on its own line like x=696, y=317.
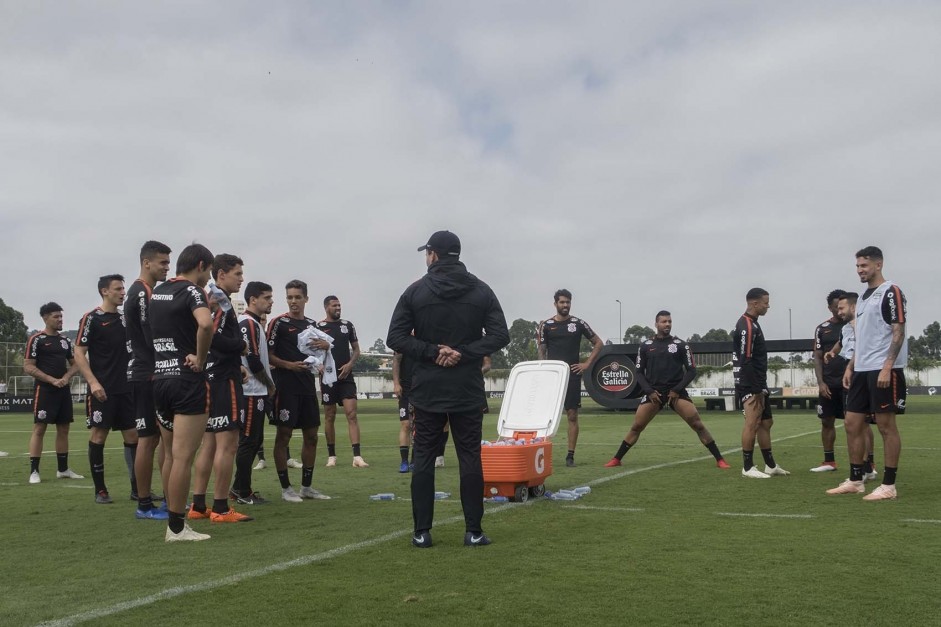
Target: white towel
x=318, y=357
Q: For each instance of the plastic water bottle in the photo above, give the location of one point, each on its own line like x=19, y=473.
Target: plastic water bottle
x=497, y=499
x=561, y=495
x=440, y=496
x=582, y=490
x=382, y=496
x=568, y=494
x=485, y=443
x=224, y=303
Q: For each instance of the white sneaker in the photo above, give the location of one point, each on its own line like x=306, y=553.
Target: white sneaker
x=68, y=473
x=293, y=463
x=824, y=467
x=776, y=470
x=288, y=494
x=34, y=477
x=308, y=492
x=754, y=473
x=186, y=535
x=439, y=461
x=870, y=476
x=882, y=493
x=4, y=454
x=331, y=461
x=261, y=465
x=359, y=462
x=848, y=487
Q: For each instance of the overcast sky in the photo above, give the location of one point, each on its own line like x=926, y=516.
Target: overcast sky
x=670, y=154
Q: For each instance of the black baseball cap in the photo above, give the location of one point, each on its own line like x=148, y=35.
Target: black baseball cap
x=443, y=243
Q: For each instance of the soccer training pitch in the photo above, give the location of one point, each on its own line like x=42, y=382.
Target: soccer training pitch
x=666, y=539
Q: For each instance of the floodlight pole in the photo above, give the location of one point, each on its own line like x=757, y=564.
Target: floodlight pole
x=620, y=325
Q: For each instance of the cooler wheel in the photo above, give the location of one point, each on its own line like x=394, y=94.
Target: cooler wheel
x=522, y=494
x=538, y=490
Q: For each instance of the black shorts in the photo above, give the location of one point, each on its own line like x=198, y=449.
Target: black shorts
x=663, y=397
x=145, y=411
x=573, y=394
x=256, y=408
x=226, y=406
x=832, y=407
x=866, y=397
x=405, y=407
x=743, y=396
x=341, y=390
x=296, y=411
x=116, y=413
x=180, y=397
x=52, y=406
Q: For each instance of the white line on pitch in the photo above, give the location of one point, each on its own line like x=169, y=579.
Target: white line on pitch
x=86, y=487
x=604, y=509
x=917, y=520
x=746, y=515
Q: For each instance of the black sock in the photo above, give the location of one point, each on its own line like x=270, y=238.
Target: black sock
x=747, y=459
x=199, y=503
x=856, y=472
x=868, y=467
x=332, y=449
x=220, y=506
x=130, y=454
x=283, y=478
x=33, y=465
x=176, y=522
x=145, y=504
x=768, y=457
x=828, y=456
x=444, y=443
x=96, y=459
x=571, y=454
x=714, y=449
x=871, y=460
x=888, y=475
x=287, y=451
x=307, y=476
x=403, y=452
x=63, y=460
x=356, y=450
x=261, y=455
x=622, y=450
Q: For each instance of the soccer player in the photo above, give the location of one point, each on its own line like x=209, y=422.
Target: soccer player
x=296, y=400
x=50, y=361
x=181, y=324
x=829, y=379
x=258, y=390
x=448, y=309
x=750, y=369
x=154, y=267
x=664, y=368
x=559, y=337
x=401, y=383
x=102, y=357
x=226, y=405
x=345, y=353
x=874, y=376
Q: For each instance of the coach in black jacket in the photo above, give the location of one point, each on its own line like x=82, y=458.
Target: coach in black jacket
x=447, y=321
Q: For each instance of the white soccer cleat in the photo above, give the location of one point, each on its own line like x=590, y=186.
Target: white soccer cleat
x=882, y=493
x=293, y=463
x=331, y=461
x=261, y=465
x=824, y=467
x=34, y=477
x=288, y=494
x=870, y=476
x=848, y=487
x=439, y=461
x=68, y=473
x=186, y=535
x=754, y=473
x=359, y=462
x=776, y=470
x=308, y=492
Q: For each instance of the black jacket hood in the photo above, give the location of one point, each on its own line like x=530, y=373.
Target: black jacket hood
x=449, y=279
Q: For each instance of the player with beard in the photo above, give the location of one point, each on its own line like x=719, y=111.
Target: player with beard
x=829, y=380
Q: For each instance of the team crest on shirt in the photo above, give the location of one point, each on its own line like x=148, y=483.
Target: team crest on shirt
x=671, y=348
x=571, y=327
x=41, y=414
x=65, y=344
x=344, y=328
x=96, y=417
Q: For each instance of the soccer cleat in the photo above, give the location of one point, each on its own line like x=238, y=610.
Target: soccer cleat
x=754, y=473
x=422, y=540
x=614, y=462
x=848, y=487
x=103, y=498
x=230, y=516
x=570, y=462
x=476, y=539
x=293, y=463
x=308, y=492
x=721, y=463
x=163, y=505
x=403, y=467
x=261, y=465
x=331, y=461
x=152, y=514
x=288, y=494
x=776, y=470
x=359, y=462
x=252, y=499
x=870, y=476
x=824, y=467
x=34, y=477
x=882, y=493
x=194, y=515
x=68, y=473
x=439, y=461
x=186, y=535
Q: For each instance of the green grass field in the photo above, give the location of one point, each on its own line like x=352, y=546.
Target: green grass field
x=667, y=539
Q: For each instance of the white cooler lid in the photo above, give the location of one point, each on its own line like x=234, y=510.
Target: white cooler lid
x=535, y=392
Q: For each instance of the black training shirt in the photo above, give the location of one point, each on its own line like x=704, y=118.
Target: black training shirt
x=749, y=356
x=225, y=351
x=103, y=334
x=826, y=335
x=665, y=363
x=141, y=365
x=51, y=354
x=563, y=339
x=174, y=327
x=282, y=343
x=344, y=336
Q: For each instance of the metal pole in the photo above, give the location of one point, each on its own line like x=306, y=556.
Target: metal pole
x=620, y=325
